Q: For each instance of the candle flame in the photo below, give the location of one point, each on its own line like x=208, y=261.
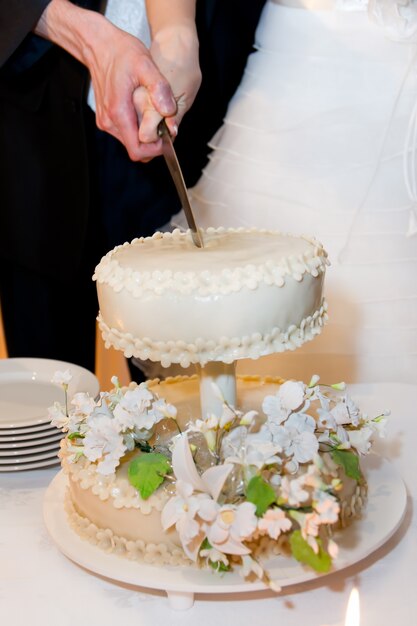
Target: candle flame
x=353, y=610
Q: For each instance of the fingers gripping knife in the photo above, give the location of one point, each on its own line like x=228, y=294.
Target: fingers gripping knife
x=174, y=167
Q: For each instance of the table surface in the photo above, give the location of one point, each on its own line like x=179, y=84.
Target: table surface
x=38, y=585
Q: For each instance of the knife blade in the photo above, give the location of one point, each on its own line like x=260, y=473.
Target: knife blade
x=172, y=162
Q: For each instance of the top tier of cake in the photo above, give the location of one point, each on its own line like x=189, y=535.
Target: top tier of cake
x=245, y=294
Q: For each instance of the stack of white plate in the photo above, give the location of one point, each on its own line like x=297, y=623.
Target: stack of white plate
x=27, y=439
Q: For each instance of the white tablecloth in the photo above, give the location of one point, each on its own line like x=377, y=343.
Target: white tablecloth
x=38, y=585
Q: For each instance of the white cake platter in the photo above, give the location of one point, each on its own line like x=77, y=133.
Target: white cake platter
x=383, y=515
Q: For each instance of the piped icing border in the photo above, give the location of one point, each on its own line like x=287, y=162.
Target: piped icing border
x=226, y=349
x=139, y=284
x=107, y=540
x=121, y=493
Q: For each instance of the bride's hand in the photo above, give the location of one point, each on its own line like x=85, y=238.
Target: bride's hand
x=175, y=52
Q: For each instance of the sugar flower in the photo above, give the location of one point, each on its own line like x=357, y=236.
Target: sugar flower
x=360, y=439
x=292, y=491
x=289, y=397
x=62, y=378
x=132, y=410
x=233, y=524
x=274, y=522
x=327, y=507
x=188, y=511
x=57, y=416
x=104, y=443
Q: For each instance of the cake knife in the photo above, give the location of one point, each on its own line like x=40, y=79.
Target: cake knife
x=172, y=162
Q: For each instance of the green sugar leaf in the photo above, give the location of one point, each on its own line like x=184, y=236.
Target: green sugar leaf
x=349, y=461
x=146, y=472
x=321, y=562
x=260, y=494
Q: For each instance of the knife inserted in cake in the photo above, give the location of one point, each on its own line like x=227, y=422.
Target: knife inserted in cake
x=174, y=167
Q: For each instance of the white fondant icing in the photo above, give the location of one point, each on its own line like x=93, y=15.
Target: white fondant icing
x=246, y=294
x=227, y=349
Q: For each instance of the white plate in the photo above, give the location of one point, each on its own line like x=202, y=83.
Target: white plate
x=11, y=455
x=29, y=466
x=31, y=458
x=383, y=515
x=37, y=430
x=26, y=390
x=14, y=445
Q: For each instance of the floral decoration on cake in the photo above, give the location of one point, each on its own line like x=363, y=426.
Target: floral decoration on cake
x=236, y=481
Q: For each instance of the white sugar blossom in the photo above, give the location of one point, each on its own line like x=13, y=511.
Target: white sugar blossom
x=162, y=409
x=326, y=420
x=233, y=524
x=211, y=422
x=57, y=416
x=104, y=443
x=214, y=556
x=250, y=566
x=274, y=522
x=133, y=410
x=291, y=394
x=248, y=418
x=292, y=491
x=62, y=378
x=346, y=412
x=207, y=427
x=227, y=417
x=302, y=446
x=83, y=404
x=361, y=439
x=257, y=453
x=188, y=511
x=273, y=409
x=301, y=422
x=310, y=529
x=289, y=397
x=327, y=507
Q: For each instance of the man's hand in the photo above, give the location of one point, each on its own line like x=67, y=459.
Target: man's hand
x=118, y=63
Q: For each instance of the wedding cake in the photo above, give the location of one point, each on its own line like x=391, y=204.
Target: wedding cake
x=271, y=468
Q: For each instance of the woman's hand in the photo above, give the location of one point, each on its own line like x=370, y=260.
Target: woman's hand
x=175, y=52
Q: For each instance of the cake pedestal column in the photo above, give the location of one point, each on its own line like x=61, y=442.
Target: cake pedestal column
x=223, y=375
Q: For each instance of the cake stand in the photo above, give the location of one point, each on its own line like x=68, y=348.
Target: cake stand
x=382, y=517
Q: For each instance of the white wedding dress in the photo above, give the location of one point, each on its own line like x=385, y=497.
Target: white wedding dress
x=320, y=138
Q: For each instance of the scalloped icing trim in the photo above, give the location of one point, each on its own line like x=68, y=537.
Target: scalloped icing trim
x=105, y=539
x=204, y=283
x=225, y=349
x=119, y=490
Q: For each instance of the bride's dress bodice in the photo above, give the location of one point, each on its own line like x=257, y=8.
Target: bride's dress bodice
x=397, y=17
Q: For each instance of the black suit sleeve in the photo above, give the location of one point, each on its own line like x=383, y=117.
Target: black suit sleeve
x=17, y=19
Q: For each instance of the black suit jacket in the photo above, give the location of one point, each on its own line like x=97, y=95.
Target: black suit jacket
x=48, y=162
